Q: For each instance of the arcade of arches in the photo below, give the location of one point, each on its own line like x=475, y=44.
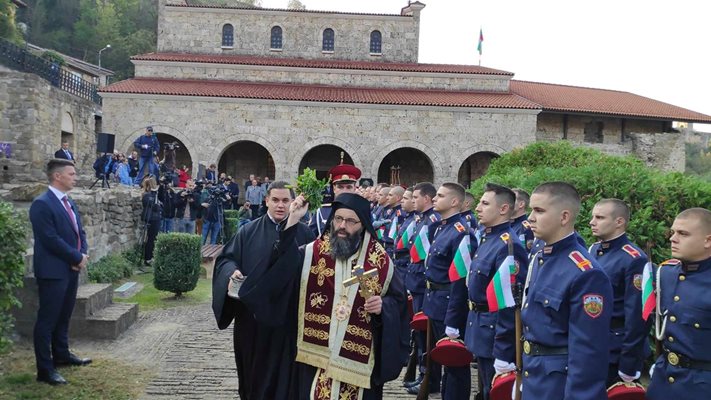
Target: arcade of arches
x=405, y=166
x=474, y=167
x=243, y=158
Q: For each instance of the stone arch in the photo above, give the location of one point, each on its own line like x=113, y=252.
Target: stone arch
x=67, y=133
x=189, y=146
x=182, y=155
x=474, y=167
x=243, y=158
x=295, y=166
x=435, y=164
x=322, y=158
x=278, y=157
x=414, y=166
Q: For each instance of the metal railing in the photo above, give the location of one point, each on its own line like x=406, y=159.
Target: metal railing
x=21, y=59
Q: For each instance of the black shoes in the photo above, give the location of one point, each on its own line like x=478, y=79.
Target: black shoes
x=416, y=390
x=72, y=360
x=409, y=384
x=52, y=377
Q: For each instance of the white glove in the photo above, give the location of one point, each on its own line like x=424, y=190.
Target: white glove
x=651, y=371
x=513, y=390
x=628, y=378
x=503, y=367
x=453, y=333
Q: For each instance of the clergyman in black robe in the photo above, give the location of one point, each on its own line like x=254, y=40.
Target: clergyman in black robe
x=294, y=295
x=263, y=354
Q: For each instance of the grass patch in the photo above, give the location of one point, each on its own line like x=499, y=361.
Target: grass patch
x=150, y=298
x=104, y=379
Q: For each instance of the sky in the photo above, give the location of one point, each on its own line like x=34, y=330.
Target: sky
x=654, y=48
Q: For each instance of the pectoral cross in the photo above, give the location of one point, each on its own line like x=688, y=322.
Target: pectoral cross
x=362, y=277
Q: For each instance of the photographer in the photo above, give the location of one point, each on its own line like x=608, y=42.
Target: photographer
x=244, y=215
x=212, y=215
x=133, y=165
x=151, y=217
x=148, y=147
x=167, y=196
x=187, y=206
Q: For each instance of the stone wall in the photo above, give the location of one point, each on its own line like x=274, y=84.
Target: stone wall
x=666, y=151
x=199, y=30
x=31, y=115
x=322, y=76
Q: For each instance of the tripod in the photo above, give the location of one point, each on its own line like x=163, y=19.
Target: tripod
x=103, y=177
x=147, y=218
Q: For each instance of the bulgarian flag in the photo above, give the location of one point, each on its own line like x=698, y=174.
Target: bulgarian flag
x=380, y=231
x=392, y=234
x=462, y=260
x=499, y=294
x=405, y=238
x=419, y=250
x=649, y=297
x=481, y=41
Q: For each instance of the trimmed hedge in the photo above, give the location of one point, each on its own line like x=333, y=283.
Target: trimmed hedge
x=110, y=268
x=176, y=262
x=654, y=197
x=231, y=213
x=13, y=231
x=230, y=228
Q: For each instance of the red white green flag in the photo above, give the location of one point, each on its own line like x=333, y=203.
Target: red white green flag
x=380, y=232
x=481, y=41
x=649, y=296
x=462, y=260
x=405, y=238
x=392, y=233
x=499, y=294
x=421, y=246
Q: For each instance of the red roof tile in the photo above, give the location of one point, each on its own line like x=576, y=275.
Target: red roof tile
x=577, y=99
x=328, y=64
x=316, y=93
x=249, y=7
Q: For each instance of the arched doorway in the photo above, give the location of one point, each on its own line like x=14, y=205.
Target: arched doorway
x=244, y=158
x=414, y=166
x=322, y=158
x=474, y=167
x=182, y=155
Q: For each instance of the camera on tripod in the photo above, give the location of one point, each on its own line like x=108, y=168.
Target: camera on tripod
x=217, y=193
x=171, y=146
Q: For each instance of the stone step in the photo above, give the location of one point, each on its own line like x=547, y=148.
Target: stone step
x=91, y=298
x=107, y=323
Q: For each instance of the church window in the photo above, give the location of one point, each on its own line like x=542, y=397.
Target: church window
x=276, y=37
x=228, y=35
x=376, y=42
x=328, y=39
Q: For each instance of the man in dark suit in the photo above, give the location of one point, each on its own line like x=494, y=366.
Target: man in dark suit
x=64, y=153
x=60, y=252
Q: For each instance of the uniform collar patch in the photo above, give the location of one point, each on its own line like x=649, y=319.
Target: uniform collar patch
x=547, y=249
x=433, y=218
x=460, y=228
x=526, y=224
x=505, y=237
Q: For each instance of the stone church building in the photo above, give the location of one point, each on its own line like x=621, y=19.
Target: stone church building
x=272, y=91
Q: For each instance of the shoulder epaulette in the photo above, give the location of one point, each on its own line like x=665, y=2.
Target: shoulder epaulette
x=505, y=237
x=631, y=251
x=580, y=261
x=397, y=213
x=670, y=263
x=460, y=228
x=526, y=224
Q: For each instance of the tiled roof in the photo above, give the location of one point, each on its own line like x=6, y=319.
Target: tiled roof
x=238, y=5
x=328, y=64
x=316, y=93
x=575, y=99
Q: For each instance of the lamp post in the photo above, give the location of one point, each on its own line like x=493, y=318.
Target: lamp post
x=108, y=46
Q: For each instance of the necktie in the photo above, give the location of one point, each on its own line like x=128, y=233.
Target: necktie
x=67, y=153
x=68, y=208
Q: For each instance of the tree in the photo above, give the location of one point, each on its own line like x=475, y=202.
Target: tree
x=8, y=28
x=296, y=5
x=13, y=230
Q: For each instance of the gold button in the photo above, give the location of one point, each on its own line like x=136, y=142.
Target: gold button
x=672, y=318
x=676, y=298
x=671, y=379
x=525, y=373
x=682, y=277
x=697, y=326
x=670, y=338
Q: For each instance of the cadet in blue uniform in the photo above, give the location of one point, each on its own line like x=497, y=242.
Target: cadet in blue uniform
x=624, y=264
x=397, y=216
x=423, y=195
x=566, y=306
x=684, y=312
x=343, y=178
x=445, y=297
x=490, y=336
x=519, y=219
x=401, y=249
x=381, y=197
x=467, y=212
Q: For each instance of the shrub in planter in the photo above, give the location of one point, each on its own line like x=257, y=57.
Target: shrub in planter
x=176, y=263
x=109, y=269
x=13, y=231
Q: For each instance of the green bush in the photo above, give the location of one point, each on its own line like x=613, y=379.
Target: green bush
x=654, y=197
x=110, y=269
x=230, y=228
x=134, y=256
x=13, y=231
x=177, y=262
x=231, y=213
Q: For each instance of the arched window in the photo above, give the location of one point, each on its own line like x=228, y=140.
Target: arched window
x=329, y=39
x=276, y=37
x=376, y=42
x=228, y=35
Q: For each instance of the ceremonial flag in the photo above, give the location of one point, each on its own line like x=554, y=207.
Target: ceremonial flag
x=499, y=294
x=481, y=40
x=649, y=297
x=419, y=250
x=392, y=234
x=405, y=238
x=462, y=260
x=380, y=232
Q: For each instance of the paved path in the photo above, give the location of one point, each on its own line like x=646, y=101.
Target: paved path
x=193, y=359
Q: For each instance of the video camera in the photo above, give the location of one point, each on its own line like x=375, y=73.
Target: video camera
x=171, y=146
x=217, y=192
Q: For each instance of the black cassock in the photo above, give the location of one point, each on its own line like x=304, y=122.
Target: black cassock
x=274, y=297
x=264, y=353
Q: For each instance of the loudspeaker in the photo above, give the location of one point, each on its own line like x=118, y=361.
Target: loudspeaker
x=105, y=143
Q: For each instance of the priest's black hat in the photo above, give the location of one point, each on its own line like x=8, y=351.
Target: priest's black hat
x=354, y=202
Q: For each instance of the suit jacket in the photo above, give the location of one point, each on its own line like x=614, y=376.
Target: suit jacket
x=60, y=154
x=55, y=249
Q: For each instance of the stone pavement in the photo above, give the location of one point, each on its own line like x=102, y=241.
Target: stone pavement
x=192, y=358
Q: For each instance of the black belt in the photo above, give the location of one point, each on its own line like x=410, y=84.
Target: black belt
x=400, y=254
x=437, y=286
x=680, y=360
x=535, y=349
x=478, y=307
x=617, y=323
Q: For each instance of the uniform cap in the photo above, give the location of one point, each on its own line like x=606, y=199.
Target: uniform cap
x=626, y=391
x=344, y=173
x=452, y=353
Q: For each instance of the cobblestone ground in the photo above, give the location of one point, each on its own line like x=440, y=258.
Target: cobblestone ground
x=192, y=358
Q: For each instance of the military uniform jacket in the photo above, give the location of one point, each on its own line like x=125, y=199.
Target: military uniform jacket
x=446, y=303
x=492, y=334
x=623, y=262
x=566, y=307
x=318, y=220
x=402, y=256
x=684, y=300
x=396, y=217
x=523, y=231
x=415, y=277
x=470, y=219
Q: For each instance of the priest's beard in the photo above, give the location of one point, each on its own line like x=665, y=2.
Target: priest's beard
x=344, y=247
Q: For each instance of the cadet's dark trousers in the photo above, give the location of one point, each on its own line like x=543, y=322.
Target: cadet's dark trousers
x=51, y=333
x=457, y=381
x=485, y=368
x=420, y=337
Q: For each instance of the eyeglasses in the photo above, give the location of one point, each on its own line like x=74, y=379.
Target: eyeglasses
x=350, y=222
